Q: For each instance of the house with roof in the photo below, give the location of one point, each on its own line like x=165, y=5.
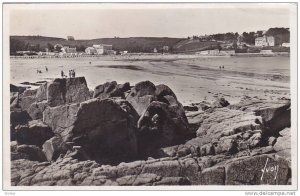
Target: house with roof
x=265, y=41
x=103, y=48
x=90, y=50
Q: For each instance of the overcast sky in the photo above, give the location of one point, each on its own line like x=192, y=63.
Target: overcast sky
x=86, y=23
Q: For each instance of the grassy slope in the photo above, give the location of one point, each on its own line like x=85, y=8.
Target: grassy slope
x=132, y=44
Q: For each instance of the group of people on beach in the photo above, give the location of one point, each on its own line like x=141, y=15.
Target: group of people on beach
x=40, y=71
x=221, y=67
x=71, y=73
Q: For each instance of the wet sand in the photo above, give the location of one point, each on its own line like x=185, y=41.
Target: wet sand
x=192, y=78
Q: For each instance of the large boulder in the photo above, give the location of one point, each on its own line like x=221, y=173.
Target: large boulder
x=41, y=93
x=106, y=129
x=19, y=89
x=161, y=126
x=221, y=102
x=19, y=118
x=162, y=116
x=257, y=170
x=111, y=89
x=67, y=90
x=29, y=92
x=25, y=102
x=283, y=144
x=54, y=147
x=14, y=100
x=33, y=133
x=36, y=109
x=30, y=152
x=141, y=95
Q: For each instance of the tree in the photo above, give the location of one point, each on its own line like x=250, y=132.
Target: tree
x=281, y=35
x=16, y=45
x=57, y=48
x=50, y=47
x=249, y=38
x=80, y=48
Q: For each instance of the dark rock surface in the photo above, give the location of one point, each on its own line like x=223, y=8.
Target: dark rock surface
x=34, y=133
x=111, y=89
x=167, y=171
x=106, y=129
x=67, y=90
x=30, y=152
x=85, y=142
x=19, y=89
x=54, y=147
x=36, y=109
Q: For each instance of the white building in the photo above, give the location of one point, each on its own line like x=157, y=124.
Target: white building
x=285, y=45
x=103, y=48
x=265, y=41
x=90, y=50
x=67, y=49
x=209, y=52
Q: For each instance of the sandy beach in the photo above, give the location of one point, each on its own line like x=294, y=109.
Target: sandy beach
x=192, y=78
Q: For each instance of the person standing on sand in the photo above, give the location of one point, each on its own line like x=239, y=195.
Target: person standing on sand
x=46, y=68
x=223, y=67
x=220, y=68
x=62, y=73
x=70, y=73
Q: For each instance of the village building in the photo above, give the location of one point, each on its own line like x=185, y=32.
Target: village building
x=90, y=50
x=103, y=48
x=265, y=41
x=285, y=45
x=67, y=49
x=209, y=52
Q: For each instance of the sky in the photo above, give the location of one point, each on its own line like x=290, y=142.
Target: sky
x=179, y=21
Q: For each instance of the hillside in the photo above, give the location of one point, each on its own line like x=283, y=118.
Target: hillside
x=194, y=45
x=131, y=44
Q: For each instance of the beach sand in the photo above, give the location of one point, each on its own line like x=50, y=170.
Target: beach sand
x=192, y=78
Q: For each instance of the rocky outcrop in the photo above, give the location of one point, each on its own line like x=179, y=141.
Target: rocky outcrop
x=41, y=94
x=19, y=89
x=162, y=117
x=167, y=171
x=233, y=130
x=86, y=142
x=106, y=129
x=283, y=144
x=19, y=118
x=25, y=102
x=30, y=152
x=111, y=89
x=160, y=126
x=141, y=95
x=29, y=92
x=54, y=147
x=36, y=109
x=221, y=102
x=67, y=90
x=33, y=133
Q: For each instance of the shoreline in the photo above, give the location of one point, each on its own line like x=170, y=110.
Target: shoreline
x=286, y=54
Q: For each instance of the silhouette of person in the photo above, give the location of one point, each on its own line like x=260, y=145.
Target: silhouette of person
x=62, y=73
